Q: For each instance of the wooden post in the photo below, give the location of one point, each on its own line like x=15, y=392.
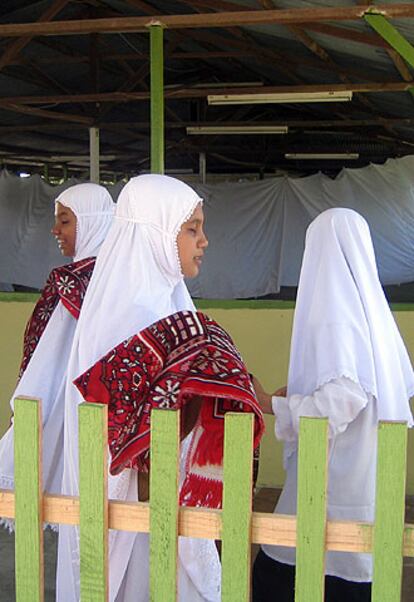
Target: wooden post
x=94, y=155
x=311, y=509
x=237, y=507
x=157, y=98
x=28, y=491
x=93, y=472
x=165, y=431
x=389, y=512
x=203, y=167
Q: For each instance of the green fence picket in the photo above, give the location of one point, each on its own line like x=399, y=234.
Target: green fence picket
x=165, y=427
x=237, y=507
x=311, y=509
x=93, y=470
x=28, y=502
x=389, y=512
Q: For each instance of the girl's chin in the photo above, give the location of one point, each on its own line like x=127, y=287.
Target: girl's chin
x=191, y=273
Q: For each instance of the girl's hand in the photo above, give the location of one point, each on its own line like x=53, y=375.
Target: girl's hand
x=264, y=399
x=281, y=392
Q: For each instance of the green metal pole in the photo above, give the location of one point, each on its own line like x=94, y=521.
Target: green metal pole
x=157, y=99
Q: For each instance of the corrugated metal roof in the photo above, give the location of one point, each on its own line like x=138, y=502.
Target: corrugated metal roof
x=270, y=55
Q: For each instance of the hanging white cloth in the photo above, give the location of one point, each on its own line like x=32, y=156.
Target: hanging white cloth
x=343, y=325
x=44, y=376
x=137, y=280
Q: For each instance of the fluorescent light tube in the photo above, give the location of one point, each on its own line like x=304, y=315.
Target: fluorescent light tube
x=279, y=97
x=321, y=155
x=237, y=129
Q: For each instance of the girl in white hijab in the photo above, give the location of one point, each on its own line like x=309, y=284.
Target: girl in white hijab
x=156, y=239
x=348, y=363
x=83, y=215
x=91, y=208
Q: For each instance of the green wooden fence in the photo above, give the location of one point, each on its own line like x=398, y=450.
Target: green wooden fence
x=388, y=539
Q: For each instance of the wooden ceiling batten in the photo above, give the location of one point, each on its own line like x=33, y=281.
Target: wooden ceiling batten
x=15, y=47
x=294, y=16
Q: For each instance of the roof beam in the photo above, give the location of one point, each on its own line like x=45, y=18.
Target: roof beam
x=315, y=48
x=291, y=123
x=346, y=34
x=17, y=46
x=205, y=20
x=196, y=92
x=16, y=108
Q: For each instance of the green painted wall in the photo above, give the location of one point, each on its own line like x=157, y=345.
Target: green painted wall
x=261, y=330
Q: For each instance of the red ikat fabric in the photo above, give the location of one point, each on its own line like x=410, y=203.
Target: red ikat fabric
x=67, y=284
x=178, y=359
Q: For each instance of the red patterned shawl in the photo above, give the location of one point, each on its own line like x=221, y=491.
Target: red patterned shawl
x=68, y=284
x=165, y=366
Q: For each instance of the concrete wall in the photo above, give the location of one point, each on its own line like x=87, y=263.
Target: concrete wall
x=262, y=335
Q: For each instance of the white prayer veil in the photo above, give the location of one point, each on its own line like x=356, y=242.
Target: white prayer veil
x=94, y=209
x=343, y=325
x=137, y=280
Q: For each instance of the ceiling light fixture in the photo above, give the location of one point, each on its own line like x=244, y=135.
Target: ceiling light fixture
x=322, y=156
x=279, y=97
x=236, y=129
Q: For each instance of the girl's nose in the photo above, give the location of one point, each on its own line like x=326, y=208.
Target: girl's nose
x=204, y=241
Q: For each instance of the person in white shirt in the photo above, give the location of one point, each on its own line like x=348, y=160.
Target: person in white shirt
x=349, y=364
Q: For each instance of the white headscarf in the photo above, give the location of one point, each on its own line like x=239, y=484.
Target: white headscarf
x=343, y=325
x=137, y=280
x=94, y=209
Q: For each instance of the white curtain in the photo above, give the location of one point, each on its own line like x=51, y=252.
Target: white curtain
x=256, y=230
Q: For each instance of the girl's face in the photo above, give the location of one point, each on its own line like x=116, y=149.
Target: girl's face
x=64, y=230
x=191, y=242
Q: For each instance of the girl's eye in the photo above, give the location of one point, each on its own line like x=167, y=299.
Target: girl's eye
x=192, y=230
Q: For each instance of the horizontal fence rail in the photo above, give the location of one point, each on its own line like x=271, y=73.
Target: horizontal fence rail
x=387, y=539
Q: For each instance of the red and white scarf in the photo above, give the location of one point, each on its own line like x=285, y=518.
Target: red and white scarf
x=167, y=365
x=67, y=283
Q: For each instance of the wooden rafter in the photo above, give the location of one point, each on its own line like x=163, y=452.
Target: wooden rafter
x=240, y=35
x=346, y=34
x=45, y=78
x=15, y=47
x=16, y=108
x=205, y=20
x=319, y=51
x=300, y=34
x=244, y=51
x=400, y=65
x=171, y=125
x=197, y=92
